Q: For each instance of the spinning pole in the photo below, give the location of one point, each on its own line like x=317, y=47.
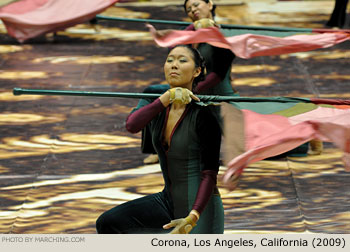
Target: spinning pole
x=224, y=26
x=206, y=98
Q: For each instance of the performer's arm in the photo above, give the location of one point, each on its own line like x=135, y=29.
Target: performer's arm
x=210, y=136
x=144, y=113
x=139, y=118
x=190, y=28
x=222, y=60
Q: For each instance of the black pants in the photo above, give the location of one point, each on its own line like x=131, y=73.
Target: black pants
x=145, y=215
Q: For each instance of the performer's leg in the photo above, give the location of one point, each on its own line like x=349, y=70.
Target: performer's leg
x=145, y=215
x=338, y=15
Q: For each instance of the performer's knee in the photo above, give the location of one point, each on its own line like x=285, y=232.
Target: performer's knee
x=100, y=224
x=106, y=225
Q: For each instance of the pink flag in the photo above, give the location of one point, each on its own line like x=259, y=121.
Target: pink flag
x=251, y=45
x=267, y=135
x=30, y=18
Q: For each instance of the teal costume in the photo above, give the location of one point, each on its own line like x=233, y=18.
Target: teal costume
x=189, y=167
x=218, y=61
x=192, y=151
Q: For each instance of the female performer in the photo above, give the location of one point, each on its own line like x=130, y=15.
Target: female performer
x=186, y=137
x=218, y=64
x=218, y=60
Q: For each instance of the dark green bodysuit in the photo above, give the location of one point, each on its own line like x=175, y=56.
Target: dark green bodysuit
x=193, y=152
x=189, y=166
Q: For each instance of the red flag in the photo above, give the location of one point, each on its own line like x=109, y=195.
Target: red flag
x=251, y=136
x=30, y=18
x=251, y=45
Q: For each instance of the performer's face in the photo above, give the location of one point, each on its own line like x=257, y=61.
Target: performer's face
x=180, y=69
x=198, y=9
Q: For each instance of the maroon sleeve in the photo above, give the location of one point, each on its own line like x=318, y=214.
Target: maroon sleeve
x=205, y=190
x=211, y=80
x=221, y=62
x=210, y=140
x=190, y=28
x=138, y=119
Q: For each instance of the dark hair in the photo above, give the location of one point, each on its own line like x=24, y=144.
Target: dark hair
x=198, y=61
x=207, y=1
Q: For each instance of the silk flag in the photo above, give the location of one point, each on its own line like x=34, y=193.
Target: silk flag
x=254, y=131
x=251, y=45
x=27, y=19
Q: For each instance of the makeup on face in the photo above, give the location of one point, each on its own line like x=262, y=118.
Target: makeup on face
x=198, y=9
x=179, y=68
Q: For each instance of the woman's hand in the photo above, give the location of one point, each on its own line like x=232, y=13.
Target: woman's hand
x=204, y=23
x=177, y=95
x=158, y=34
x=183, y=225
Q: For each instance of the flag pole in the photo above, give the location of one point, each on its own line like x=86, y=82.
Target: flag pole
x=204, y=98
x=224, y=26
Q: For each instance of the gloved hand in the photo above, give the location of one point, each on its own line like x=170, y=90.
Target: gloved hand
x=181, y=226
x=316, y=147
x=181, y=95
x=204, y=23
x=158, y=34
